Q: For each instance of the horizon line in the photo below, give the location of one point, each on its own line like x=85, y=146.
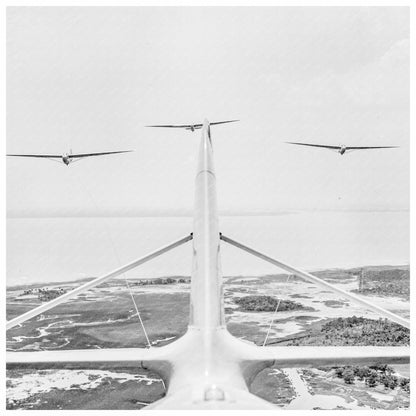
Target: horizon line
x=236, y=276
x=172, y=214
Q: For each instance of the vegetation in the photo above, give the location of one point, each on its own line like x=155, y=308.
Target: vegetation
x=387, y=275
x=104, y=330
x=362, y=331
x=45, y=294
x=386, y=289
x=380, y=374
x=405, y=384
x=109, y=394
x=266, y=304
x=274, y=385
x=351, y=331
x=390, y=282
x=162, y=281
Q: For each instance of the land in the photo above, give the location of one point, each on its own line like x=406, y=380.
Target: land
x=372, y=376
x=273, y=385
x=351, y=331
x=42, y=293
x=268, y=304
x=163, y=281
x=118, y=389
x=105, y=318
x=358, y=385
x=390, y=282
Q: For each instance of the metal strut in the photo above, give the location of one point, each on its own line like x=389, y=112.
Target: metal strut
x=57, y=301
x=113, y=246
x=273, y=316
x=307, y=276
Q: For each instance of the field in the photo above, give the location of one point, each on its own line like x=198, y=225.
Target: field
x=105, y=318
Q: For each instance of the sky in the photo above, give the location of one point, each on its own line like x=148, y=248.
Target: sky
x=91, y=79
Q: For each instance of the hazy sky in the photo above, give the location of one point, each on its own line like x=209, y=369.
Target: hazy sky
x=90, y=79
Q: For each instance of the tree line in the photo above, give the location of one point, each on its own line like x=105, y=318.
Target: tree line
x=373, y=376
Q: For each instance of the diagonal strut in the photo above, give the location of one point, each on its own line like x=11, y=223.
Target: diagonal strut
x=57, y=301
x=320, y=282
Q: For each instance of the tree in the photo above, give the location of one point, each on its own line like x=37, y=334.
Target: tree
x=362, y=372
x=405, y=384
x=390, y=381
x=348, y=376
x=372, y=379
x=339, y=372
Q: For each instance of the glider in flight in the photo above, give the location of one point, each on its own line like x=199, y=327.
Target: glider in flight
x=342, y=149
x=191, y=127
x=70, y=157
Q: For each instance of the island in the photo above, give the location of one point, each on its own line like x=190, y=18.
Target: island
x=264, y=303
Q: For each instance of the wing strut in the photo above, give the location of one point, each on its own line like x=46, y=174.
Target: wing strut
x=307, y=276
x=57, y=301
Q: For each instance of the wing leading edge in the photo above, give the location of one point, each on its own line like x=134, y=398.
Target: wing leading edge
x=369, y=147
x=325, y=146
x=33, y=155
x=284, y=356
x=70, y=155
x=191, y=126
x=99, y=153
x=100, y=355
x=315, y=145
x=309, y=356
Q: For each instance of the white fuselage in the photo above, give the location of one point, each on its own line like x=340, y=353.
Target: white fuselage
x=206, y=371
x=66, y=158
x=342, y=149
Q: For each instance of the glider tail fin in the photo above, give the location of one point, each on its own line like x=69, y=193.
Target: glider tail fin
x=191, y=127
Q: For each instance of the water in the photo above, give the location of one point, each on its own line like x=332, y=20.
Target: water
x=59, y=249
x=305, y=400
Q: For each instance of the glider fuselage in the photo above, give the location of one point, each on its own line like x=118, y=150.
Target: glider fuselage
x=66, y=158
x=206, y=371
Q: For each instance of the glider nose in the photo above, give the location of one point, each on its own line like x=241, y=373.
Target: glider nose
x=206, y=129
x=205, y=149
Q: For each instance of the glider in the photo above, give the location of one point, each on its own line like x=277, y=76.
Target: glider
x=70, y=157
x=191, y=127
x=342, y=149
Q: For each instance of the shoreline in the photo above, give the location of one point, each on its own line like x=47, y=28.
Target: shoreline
x=248, y=276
